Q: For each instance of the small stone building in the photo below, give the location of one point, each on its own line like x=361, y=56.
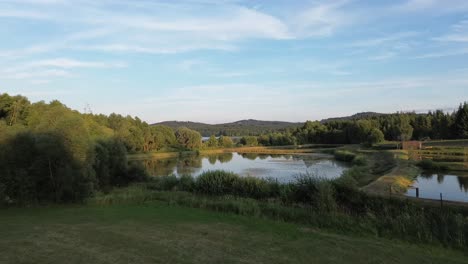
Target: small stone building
x=411, y=145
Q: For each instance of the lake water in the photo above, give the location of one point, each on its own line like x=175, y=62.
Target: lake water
x=452, y=186
x=284, y=168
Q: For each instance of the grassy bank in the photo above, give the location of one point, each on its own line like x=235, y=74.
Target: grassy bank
x=397, y=175
x=333, y=205
x=156, y=232
x=300, y=149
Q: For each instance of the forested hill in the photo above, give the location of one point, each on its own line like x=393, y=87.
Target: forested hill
x=358, y=116
x=239, y=128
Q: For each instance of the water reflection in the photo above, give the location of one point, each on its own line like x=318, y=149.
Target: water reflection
x=431, y=185
x=282, y=167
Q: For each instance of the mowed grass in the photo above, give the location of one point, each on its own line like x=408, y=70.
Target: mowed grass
x=159, y=233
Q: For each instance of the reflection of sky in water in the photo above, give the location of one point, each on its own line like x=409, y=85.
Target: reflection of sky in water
x=281, y=167
x=452, y=187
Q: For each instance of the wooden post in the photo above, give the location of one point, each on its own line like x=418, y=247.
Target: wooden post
x=441, y=201
x=417, y=192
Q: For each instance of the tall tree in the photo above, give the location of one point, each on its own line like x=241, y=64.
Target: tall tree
x=461, y=121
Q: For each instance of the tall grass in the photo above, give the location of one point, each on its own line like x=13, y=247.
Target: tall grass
x=336, y=204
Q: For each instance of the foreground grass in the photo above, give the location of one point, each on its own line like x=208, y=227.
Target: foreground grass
x=156, y=232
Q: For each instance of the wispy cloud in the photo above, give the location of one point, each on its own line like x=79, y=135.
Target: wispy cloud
x=322, y=19
x=384, y=40
x=441, y=6
x=458, y=33
x=174, y=27
x=383, y=56
x=448, y=53
x=35, y=74
x=67, y=63
x=43, y=71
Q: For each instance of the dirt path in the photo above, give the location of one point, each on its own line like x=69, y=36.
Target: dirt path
x=395, y=181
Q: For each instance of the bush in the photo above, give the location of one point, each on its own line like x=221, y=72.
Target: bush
x=223, y=183
x=309, y=189
x=359, y=160
x=164, y=183
x=186, y=183
x=344, y=155
x=428, y=164
x=216, y=182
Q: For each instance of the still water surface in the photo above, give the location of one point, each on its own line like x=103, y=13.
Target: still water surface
x=453, y=186
x=284, y=168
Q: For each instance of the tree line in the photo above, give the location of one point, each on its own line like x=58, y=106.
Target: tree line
x=49, y=152
x=377, y=128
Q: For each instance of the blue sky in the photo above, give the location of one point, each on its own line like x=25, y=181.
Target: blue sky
x=224, y=60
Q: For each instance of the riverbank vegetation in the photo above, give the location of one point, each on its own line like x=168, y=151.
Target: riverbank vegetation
x=334, y=205
x=50, y=154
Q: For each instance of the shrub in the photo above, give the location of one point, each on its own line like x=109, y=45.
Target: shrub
x=360, y=160
x=186, y=183
x=428, y=164
x=164, y=183
x=313, y=190
x=216, y=182
x=344, y=155
x=251, y=187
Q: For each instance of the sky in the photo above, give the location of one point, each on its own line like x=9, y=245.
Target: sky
x=219, y=61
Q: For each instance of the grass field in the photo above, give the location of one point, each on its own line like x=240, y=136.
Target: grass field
x=159, y=233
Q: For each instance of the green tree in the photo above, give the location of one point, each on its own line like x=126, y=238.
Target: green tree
x=188, y=138
x=212, y=142
x=461, y=121
x=249, y=141
x=225, y=142
x=375, y=136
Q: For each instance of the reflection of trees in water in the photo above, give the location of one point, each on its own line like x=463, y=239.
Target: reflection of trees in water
x=225, y=157
x=463, y=183
x=189, y=164
x=159, y=167
x=429, y=176
x=250, y=156
x=440, y=178
x=222, y=158
x=309, y=162
x=212, y=159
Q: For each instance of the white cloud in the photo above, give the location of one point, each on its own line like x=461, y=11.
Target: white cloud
x=458, y=33
x=389, y=38
x=173, y=27
x=438, y=6
x=431, y=55
x=5, y=13
x=321, y=20
x=40, y=74
x=383, y=56
x=43, y=71
x=71, y=63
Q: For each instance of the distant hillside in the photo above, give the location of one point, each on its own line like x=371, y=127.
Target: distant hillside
x=238, y=128
x=363, y=115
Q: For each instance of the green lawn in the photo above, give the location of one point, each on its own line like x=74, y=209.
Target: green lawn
x=159, y=233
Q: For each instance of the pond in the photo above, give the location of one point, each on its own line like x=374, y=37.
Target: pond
x=453, y=186
x=284, y=168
